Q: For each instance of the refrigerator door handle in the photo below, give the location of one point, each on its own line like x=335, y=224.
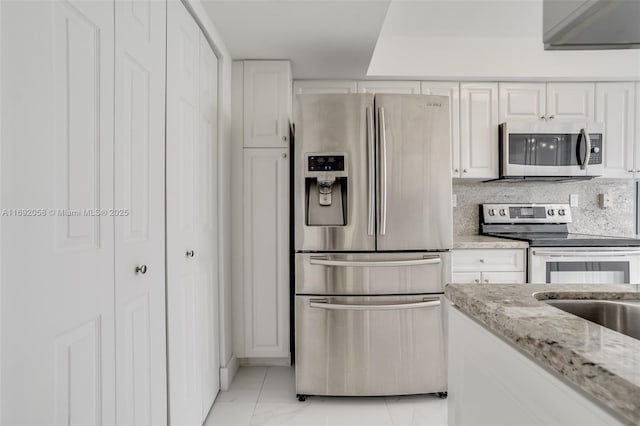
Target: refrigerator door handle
x=427, y=260
x=324, y=304
x=371, y=165
x=383, y=171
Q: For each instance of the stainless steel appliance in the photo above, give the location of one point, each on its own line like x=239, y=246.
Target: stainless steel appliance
x=372, y=197
x=548, y=150
x=557, y=256
x=591, y=24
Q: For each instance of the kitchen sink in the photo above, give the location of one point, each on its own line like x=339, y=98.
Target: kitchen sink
x=622, y=316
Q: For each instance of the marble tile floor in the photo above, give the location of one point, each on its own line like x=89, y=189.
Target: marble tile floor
x=266, y=396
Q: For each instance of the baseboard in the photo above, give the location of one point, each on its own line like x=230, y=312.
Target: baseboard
x=228, y=372
x=266, y=362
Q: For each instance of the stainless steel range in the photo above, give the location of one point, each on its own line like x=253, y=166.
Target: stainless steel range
x=557, y=255
x=373, y=230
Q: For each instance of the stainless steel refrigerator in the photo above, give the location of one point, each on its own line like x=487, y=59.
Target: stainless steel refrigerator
x=373, y=230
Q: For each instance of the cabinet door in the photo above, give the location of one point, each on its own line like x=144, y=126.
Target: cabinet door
x=466, y=277
x=207, y=260
x=514, y=277
x=571, y=101
x=615, y=107
x=266, y=252
x=314, y=87
x=57, y=315
x=479, y=130
x=520, y=101
x=267, y=103
x=452, y=90
x=139, y=190
x=182, y=186
x=393, y=87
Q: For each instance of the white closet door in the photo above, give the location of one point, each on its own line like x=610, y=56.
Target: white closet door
x=207, y=224
x=183, y=104
x=139, y=192
x=58, y=364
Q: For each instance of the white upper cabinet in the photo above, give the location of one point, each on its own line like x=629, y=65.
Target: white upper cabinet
x=547, y=101
x=267, y=103
x=522, y=101
x=615, y=107
x=394, y=87
x=450, y=89
x=479, y=130
x=304, y=87
x=571, y=101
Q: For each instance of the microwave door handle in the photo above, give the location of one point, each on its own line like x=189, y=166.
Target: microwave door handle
x=587, y=155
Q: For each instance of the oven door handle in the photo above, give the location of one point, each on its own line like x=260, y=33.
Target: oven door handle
x=612, y=253
x=324, y=304
x=427, y=260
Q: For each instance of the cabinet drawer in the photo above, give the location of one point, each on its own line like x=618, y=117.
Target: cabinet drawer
x=472, y=260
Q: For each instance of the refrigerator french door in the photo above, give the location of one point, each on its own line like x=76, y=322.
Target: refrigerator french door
x=372, y=197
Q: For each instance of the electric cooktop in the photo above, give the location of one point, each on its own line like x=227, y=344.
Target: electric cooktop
x=541, y=225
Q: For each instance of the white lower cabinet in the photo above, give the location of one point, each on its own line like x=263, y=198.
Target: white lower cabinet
x=266, y=252
x=492, y=383
x=488, y=266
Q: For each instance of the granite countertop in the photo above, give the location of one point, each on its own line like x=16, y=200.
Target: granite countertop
x=603, y=363
x=485, y=242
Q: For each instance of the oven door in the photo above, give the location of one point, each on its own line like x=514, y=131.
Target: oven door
x=557, y=149
x=584, y=266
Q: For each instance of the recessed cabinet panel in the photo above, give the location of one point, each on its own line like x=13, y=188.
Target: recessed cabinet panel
x=267, y=103
x=266, y=248
x=393, y=87
x=615, y=108
x=479, y=130
x=571, y=101
x=522, y=101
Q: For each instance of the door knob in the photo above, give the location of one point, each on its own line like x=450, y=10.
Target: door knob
x=142, y=269
x=190, y=253
x=284, y=139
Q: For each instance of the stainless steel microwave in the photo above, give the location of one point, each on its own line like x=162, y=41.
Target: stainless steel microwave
x=551, y=150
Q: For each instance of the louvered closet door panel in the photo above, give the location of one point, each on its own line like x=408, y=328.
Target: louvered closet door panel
x=208, y=225
x=139, y=193
x=183, y=275
x=57, y=267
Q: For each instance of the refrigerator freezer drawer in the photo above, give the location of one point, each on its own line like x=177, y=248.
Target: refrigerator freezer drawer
x=370, y=345
x=372, y=273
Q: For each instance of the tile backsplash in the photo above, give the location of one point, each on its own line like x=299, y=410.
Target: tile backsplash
x=588, y=216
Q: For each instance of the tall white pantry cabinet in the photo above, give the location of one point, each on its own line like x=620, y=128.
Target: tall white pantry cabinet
x=261, y=117
x=82, y=235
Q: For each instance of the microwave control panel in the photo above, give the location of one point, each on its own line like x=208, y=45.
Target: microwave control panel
x=596, y=149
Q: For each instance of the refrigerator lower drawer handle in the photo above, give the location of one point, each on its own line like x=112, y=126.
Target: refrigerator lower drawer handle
x=323, y=304
x=380, y=263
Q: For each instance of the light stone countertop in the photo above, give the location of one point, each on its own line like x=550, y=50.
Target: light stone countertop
x=603, y=363
x=485, y=242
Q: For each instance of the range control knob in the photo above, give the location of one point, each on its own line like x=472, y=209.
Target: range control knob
x=551, y=212
x=492, y=212
x=503, y=212
x=561, y=212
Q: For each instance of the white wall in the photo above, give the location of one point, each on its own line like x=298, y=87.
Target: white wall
x=227, y=360
x=485, y=39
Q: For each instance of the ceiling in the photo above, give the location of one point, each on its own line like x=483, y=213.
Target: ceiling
x=322, y=38
x=430, y=39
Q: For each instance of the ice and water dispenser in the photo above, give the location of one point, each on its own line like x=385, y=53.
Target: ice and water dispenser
x=326, y=189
